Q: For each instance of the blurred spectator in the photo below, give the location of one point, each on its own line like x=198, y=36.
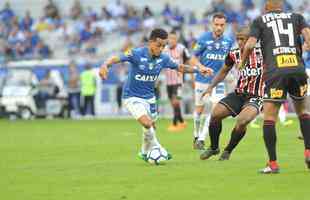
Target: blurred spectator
x=6, y=14
x=247, y=4
x=167, y=13
x=149, y=21
x=88, y=90
x=42, y=51
x=76, y=10
x=26, y=22
x=252, y=12
x=192, y=18
x=74, y=90
x=106, y=23
x=73, y=44
x=287, y=7
x=41, y=25
x=51, y=10
x=116, y=8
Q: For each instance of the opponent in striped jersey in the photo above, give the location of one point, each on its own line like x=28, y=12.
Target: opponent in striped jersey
x=245, y=102
x=250, y=81
x=174, y=79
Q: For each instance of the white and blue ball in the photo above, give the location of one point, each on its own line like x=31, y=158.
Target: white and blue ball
x=157, y=156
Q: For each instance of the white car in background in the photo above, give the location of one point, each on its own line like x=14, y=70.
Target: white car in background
x=17, y=96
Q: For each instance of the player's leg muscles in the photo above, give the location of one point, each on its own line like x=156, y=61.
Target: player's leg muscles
x=247, y=114
x=215, y=127
x=271, y=110
x=304, y=119
x=145, y=121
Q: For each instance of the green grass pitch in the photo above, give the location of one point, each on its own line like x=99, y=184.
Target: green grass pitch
x=79, y=160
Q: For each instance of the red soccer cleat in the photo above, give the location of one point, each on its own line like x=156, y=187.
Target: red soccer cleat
x=271, y=168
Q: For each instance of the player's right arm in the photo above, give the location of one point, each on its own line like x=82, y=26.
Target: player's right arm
x=104, y=69
x=306, y=35
x=229, y=63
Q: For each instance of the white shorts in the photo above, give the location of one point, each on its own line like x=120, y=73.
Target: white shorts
x=217, y=94
x=139, y=107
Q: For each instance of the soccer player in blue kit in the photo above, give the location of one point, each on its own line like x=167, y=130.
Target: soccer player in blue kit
x=210, y=50
x=138, y=92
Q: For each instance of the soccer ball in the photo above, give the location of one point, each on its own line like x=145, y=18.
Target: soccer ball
x=157, y=156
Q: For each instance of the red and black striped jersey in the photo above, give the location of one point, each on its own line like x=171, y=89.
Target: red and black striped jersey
x=250, y=78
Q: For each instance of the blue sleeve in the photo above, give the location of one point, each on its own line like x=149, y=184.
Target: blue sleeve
x=199, y=47
x=127, y=56
x=169, y=63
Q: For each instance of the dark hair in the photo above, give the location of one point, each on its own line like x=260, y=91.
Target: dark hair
x=219, y=15
x=158, y=33
x=243, y=30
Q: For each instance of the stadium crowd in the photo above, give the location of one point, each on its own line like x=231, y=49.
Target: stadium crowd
x=86, y=30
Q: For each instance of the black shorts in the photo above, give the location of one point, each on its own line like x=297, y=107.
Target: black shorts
x=236, y=102
x=174, y=91
x=278, y=86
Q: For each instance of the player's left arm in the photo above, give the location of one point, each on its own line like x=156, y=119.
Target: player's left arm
x=255, y=35
x=248, y=48
x=194, y=69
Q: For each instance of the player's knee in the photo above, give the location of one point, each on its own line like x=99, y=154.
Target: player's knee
x=215, y=118
x=242, y=122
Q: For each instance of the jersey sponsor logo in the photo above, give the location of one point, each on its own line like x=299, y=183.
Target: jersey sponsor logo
x=211, y=56
x=287, y=61
x=284, y=50
x=274, y=93
x=251, y=72
x=273, y=16
x=146, y=78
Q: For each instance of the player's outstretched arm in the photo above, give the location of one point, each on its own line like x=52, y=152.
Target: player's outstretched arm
x=193, y=69
x=248, y=48
x=104, y=69
x=217, y=79
x=306, y=35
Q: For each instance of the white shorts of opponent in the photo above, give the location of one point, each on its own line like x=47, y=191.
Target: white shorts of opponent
x=138, y=107
x=217, y=94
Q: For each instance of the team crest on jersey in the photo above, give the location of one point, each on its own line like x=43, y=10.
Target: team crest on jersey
x=159, y=61
x=142, y=67
x=151, y=66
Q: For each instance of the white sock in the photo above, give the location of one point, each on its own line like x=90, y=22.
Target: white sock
x=197, y=120
x=282, y=114
x=205, y=130
x=149, y=140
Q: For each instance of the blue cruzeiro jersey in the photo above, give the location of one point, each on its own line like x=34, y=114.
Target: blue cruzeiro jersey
x=211, y=53
x=143, y=72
